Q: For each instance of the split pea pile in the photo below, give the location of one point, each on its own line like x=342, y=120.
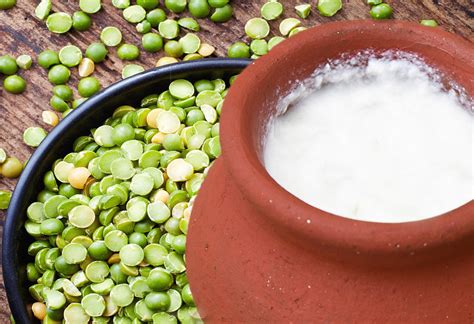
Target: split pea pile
x=111, y=222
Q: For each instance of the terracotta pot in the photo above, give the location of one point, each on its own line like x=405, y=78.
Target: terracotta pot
x=258, y=254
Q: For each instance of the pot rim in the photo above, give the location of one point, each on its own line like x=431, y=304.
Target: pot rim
x=304, y=221
x=14, y=217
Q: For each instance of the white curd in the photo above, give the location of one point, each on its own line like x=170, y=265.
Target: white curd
x=380, y=141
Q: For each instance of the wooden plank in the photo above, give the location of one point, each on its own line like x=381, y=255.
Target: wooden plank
x=22, y=33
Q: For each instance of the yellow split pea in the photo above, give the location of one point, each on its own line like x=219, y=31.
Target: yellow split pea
x=160, y=195
x=152, y=116
x=78, y=177
x=50, y=118
x=39, y=310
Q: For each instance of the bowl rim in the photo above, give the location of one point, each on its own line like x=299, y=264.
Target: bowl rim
x=12, y=220
x=308, y=223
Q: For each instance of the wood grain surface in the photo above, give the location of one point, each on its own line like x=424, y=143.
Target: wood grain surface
x=22, y=33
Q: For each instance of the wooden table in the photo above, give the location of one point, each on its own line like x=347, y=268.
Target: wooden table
x=22, y=33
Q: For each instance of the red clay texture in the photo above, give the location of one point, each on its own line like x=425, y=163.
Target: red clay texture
x=255, y=253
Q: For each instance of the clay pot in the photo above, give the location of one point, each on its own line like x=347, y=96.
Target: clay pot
x=256, y=253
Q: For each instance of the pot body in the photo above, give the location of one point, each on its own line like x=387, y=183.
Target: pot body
x=255, y=253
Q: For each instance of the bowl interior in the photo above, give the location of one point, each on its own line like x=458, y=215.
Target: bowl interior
x=59, y=142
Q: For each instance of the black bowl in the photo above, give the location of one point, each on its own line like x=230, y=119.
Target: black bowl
x=59, y=142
